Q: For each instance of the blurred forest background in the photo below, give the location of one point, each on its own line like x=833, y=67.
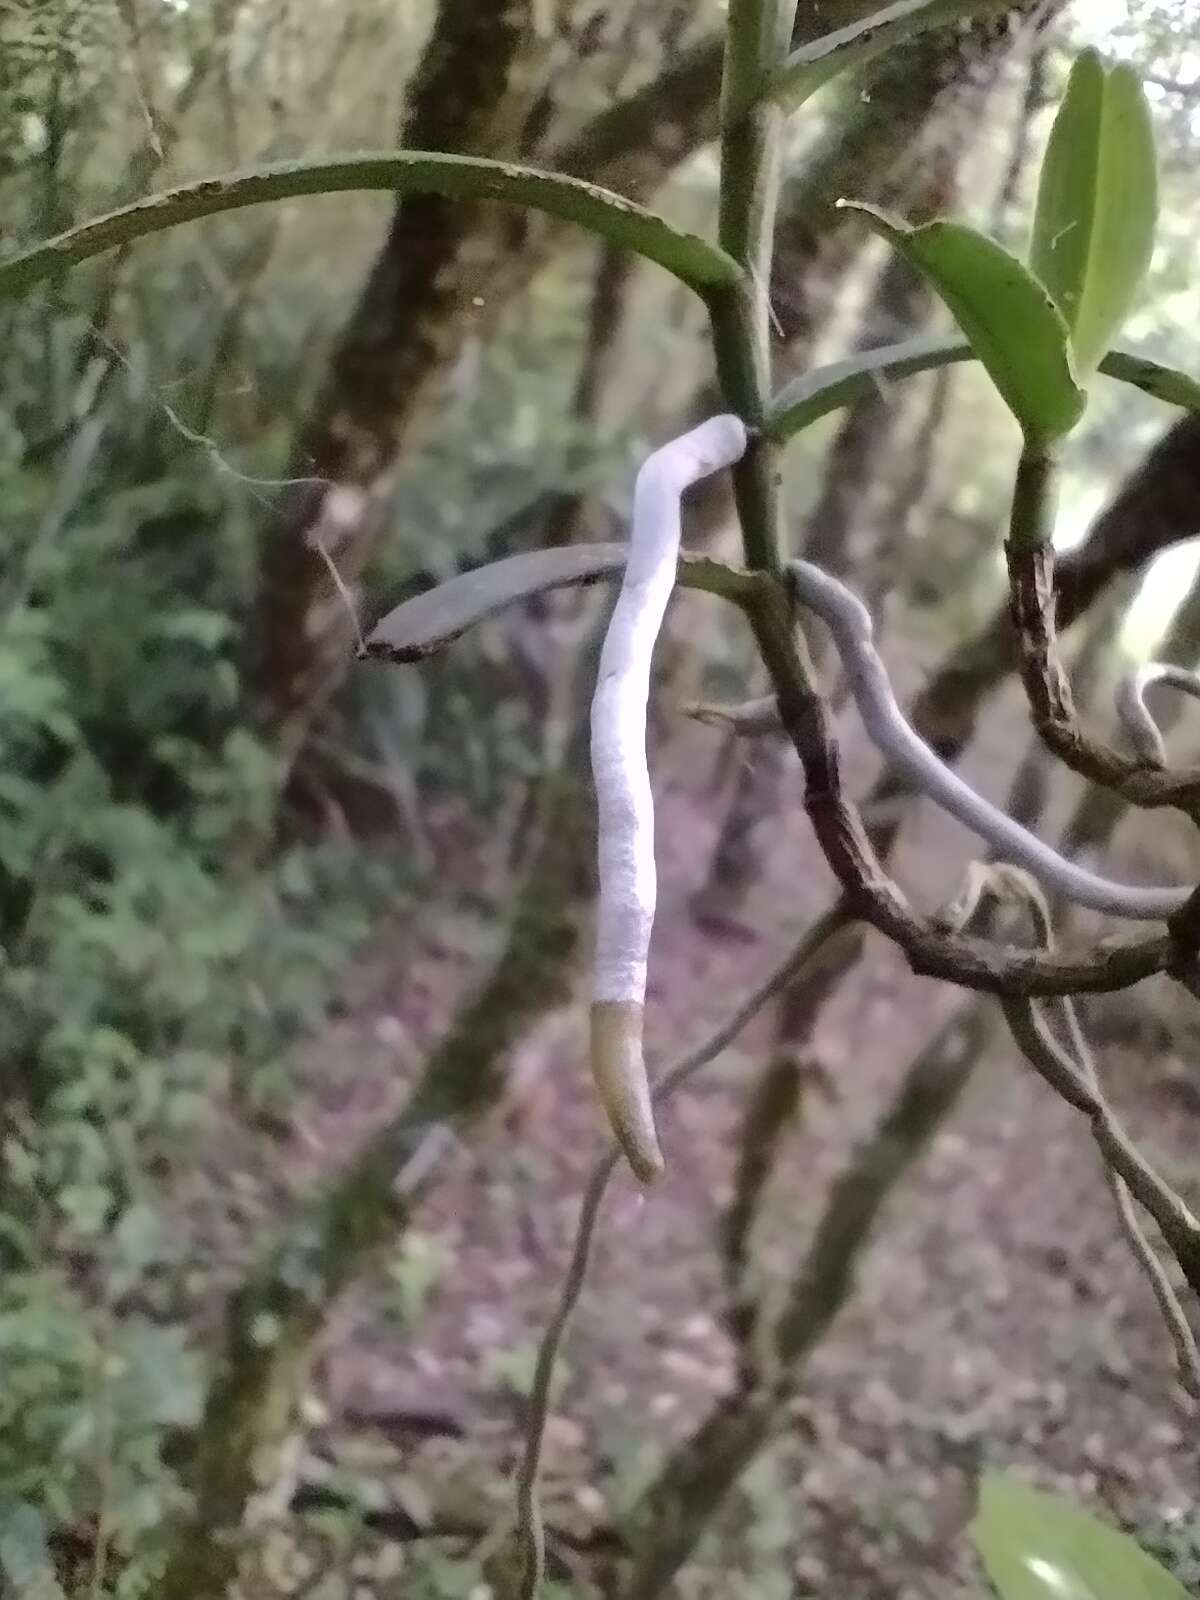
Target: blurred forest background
x=292, y=1001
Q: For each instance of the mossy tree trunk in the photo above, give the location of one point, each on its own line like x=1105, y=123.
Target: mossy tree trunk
x=471, y=95
x=273, y=1323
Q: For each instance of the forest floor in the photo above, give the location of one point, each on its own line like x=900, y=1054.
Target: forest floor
x=998, y=1320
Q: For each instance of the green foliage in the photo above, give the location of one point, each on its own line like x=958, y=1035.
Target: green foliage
x=413, y=1277
x=153, y=973
x=1037, y=1546
x=1042, y=330
x=702, y=266
x=1097, y=204
x=1012, y=323
x=52, y=51
x=848, y=49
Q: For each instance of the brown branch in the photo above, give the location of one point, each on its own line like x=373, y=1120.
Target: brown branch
x=1070, y=1069
x=873, y=896
x=1052, y=707
x=899, y=148
x=1179, y=1227
x=1156, y=507
x=1179, y=1331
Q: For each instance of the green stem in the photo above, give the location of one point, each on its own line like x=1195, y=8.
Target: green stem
x=1035, y=501
x=751, y=145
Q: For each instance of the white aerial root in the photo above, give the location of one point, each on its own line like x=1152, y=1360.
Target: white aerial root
x=1141, y=727
x=628, y=882
x=850, y=623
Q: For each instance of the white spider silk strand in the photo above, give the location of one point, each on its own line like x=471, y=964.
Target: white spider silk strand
x=628, y=881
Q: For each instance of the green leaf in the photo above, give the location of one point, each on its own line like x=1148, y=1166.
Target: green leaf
x=695, y=262
x=813, y=395
x=425, y=623
x=1013, y=325
x=812, y=65
x=1036, y=1546
x=1168, y=384
x=1097, y=204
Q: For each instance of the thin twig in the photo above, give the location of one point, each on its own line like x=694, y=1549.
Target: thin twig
x=1056, y=1067
x=1052, y=706
x=1049, y=1058
x=1179, y=1330
x=343, y=591
x=529, y=1531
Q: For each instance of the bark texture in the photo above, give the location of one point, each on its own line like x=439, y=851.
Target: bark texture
x=469, y=97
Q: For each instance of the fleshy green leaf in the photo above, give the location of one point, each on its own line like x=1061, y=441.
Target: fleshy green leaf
x=814, y=395
x=1062, y=223
x=425, y=623
x=1168, y=384
x=1036, y=1546
x=695, y=262
x=1012, y=324
x=811, y=66
x=1097, y=205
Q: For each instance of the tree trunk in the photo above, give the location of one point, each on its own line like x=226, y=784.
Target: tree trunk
x=234, y=1453
x=468, y=96
x=446, y=273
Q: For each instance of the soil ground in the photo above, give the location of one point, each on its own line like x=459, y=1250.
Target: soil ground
x=999, y=1319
